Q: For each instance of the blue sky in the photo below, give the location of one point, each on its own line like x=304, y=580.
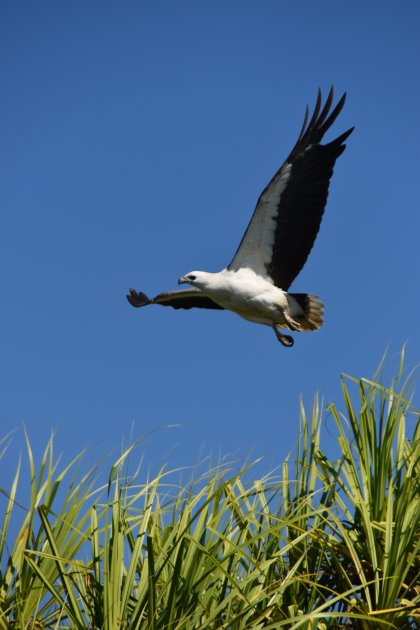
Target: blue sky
x=135, y=140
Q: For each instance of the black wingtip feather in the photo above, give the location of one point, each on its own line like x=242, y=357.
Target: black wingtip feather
x=138, y=299
x=319, y=123
x=326, y=107
x=305, y=120
x=331, y=118
x=316, y=111
x=339, y=141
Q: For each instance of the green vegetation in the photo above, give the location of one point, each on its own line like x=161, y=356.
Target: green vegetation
x=325, y=544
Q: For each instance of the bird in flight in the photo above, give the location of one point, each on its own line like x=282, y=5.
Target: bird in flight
x=277, y=241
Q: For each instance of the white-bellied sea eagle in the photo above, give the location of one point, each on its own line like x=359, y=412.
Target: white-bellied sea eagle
x=277, y=241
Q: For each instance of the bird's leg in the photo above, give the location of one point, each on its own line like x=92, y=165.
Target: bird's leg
x=285, y=340
x=291, y=323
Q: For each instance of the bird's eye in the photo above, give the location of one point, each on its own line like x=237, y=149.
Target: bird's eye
x=191, y=277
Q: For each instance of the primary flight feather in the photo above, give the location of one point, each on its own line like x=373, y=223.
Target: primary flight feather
x=277, y=241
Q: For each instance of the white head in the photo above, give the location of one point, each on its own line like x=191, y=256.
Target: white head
x=198, y=279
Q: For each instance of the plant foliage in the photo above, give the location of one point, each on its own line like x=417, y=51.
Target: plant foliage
x=325, y=544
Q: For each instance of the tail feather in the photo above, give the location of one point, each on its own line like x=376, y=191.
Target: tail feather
x=307, y=309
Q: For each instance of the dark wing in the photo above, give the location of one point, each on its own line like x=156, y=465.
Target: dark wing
x=289, y=211
x=187, y=298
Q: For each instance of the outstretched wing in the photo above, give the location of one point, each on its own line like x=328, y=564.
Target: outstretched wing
x=187, y=298
x=289, y=211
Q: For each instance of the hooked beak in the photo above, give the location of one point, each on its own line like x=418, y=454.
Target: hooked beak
x=182, y=280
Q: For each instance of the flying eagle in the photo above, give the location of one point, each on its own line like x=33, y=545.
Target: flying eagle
x=277, y=241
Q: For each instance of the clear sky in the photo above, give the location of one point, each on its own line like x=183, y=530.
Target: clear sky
x=135, y=140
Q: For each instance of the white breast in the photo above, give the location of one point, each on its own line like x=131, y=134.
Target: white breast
x=247, y=294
